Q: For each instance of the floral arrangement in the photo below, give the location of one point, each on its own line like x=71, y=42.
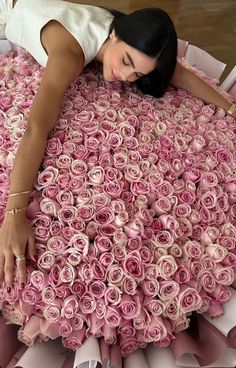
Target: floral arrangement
x=134, y=211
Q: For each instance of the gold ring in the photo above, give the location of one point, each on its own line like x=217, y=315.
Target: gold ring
x=20, y=258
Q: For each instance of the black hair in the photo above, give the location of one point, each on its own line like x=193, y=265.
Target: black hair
x=151, y=31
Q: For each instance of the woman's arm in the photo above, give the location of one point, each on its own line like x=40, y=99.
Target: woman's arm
x=15, y=234
x=186, y=79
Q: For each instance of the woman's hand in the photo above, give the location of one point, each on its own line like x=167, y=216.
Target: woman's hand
x=16, y=238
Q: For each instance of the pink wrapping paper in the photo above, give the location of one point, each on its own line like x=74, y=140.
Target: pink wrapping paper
x=7, y=350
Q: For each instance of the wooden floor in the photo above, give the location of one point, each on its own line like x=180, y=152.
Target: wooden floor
x=209, y=24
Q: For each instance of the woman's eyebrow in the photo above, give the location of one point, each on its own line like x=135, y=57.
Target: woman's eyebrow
x=131, y=61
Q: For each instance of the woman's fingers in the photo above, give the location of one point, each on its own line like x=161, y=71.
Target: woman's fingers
x=31, y=247
x=21, y=268
x=9, y=268
x=1, y=268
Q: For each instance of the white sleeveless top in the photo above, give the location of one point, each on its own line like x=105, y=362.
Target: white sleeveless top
x=89, y=25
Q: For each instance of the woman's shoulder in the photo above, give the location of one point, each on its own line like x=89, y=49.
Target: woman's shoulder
x=54, y=36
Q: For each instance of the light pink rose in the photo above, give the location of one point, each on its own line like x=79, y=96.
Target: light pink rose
x=52, y=312
x=164, y=238
x=75, y=339
x=112, y=316
x=224, y=275
x=46, y=260
x=207, y=280
x=29, y=333
x=143, y=320
x=112, y=295
x=133, y=266
x=39, y=279
x=216, y=252
x=129, y=286
x=115, y=275
x=221, y=293
x=80, y=242
x=47, y=177
x=67, y=274
x=150, y=287
x=167, y=266
x=168, y=290
x=189, y=299
x=48, y=295
x=181, y=324
x=155, y=331
x=69, y=307
x=87, y=304
x=128, y=345
x=193, y=249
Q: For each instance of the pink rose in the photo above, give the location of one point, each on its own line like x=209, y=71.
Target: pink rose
x=150, y=287
x=133, y=266
x=69, y=307
x=164, y=238
x=48, y=295
x=47, y=177
x=189, y=299
x=155, y=331
x=52, y=312
x=129, y=286
x=29, y=333
x=181, y=324
x=39, y=279
x=67, y=213
x=112, y=295
x=224, y=275
x=216, y=252
x=46, y=260
x=221, y=293
x=67, y=274
x=167, y=266
x=128, y=345
x=112, y=316
x=126, y=329
x=115, y=275
x=132, y=173
x=143, y=320
x=168, y=290
x=87, y=304
x=80, y=242
x=75, y=339
x=171, y=309
x=207, y=280
x=193, y=249
x=154, y=306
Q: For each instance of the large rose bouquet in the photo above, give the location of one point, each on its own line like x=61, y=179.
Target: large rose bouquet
x=134, y=211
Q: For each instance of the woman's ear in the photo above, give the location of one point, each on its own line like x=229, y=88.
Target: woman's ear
x=112, y=34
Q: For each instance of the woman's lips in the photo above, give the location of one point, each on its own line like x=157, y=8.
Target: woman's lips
x=113, y=76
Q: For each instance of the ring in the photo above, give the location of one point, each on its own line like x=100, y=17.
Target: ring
x=20, y=258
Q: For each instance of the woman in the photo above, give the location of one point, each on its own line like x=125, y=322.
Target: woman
x=148, y=57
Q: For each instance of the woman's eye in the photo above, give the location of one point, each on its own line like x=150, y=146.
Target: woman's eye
x=124, y=62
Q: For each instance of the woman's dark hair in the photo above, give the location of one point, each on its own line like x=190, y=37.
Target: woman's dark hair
x=151, y=31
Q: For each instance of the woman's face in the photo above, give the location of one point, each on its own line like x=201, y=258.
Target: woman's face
x=125, y=63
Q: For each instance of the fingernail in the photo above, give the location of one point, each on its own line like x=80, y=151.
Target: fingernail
x=36, y=258
x=8, y=290
x=22, y=285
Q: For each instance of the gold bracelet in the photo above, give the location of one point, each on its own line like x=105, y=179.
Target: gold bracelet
x=18, y=193
x=14, y=211
x=231, y=109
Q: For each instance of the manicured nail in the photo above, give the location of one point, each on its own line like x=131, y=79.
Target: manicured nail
x=8, y=290
x=36, y=258
x=22, y=285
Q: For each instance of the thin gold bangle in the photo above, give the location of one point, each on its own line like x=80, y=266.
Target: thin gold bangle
x=231, y=109
x=15, y=211
x=18, y=193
